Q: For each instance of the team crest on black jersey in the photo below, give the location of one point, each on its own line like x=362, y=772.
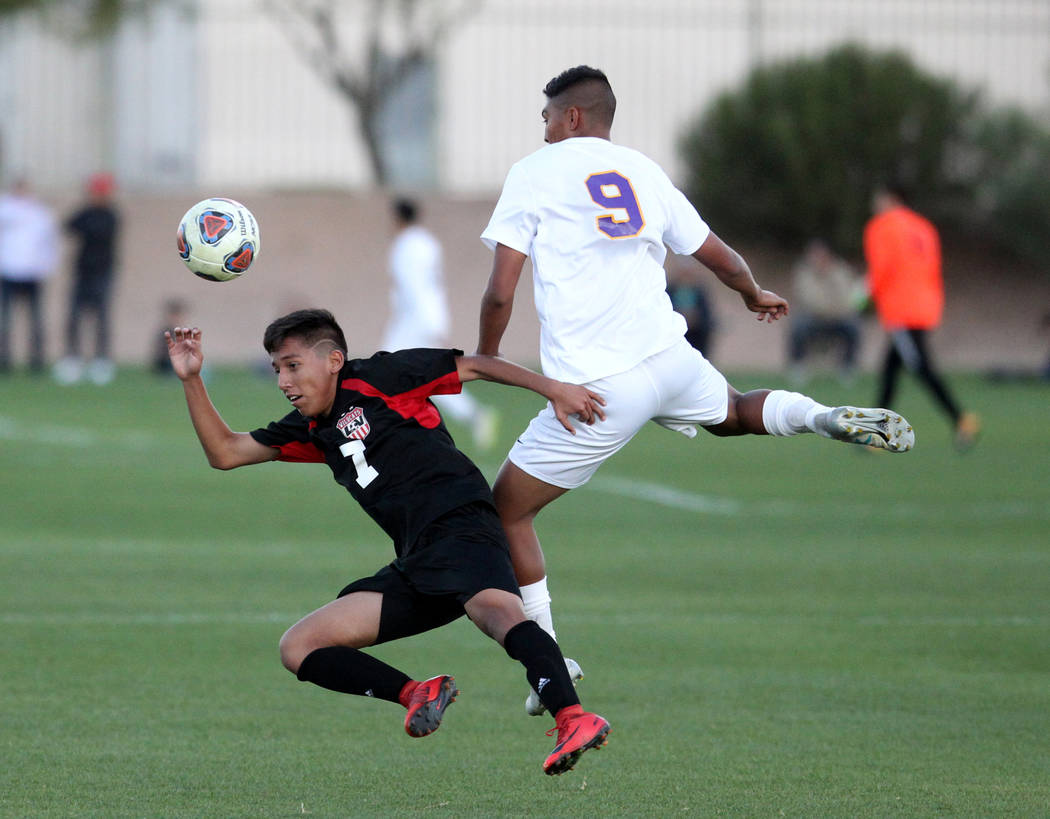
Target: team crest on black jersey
x=353, y=423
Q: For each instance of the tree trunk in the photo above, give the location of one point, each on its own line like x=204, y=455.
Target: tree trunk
x=367, y=122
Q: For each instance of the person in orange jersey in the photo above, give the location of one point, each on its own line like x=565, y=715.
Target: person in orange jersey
x=903, y=253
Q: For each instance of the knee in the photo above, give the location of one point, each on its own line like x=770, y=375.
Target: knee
x=293, y=650
x=495, y=612
x=743, y=415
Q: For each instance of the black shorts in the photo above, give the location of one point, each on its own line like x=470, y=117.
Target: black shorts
x=461, y=553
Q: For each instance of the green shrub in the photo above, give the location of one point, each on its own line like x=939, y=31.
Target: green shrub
x=1010, y=182
x=796, y=152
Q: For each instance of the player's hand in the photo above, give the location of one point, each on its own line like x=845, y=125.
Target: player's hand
x=767, y=304
x=184, y=350
x=572, y=399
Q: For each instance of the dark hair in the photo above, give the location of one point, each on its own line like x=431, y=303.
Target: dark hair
x=573, y=76
x=591, y=90
x=406, y=210
x=311, y=326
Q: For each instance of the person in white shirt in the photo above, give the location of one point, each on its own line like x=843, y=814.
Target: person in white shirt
x=419, y=313
x=28, y=254
x=827, y=297
x=596, y=218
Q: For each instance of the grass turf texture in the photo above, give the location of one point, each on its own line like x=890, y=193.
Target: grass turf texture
x=773, y=627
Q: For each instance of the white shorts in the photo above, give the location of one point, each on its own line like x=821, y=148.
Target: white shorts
x=677, y=388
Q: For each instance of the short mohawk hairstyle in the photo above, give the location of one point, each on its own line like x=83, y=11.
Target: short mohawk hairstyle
x=587, y=88
x=312, y=326
x=574, y=76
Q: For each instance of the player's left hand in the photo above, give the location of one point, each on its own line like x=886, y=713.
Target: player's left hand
x=184, y=350
x=572, y=399
x=768, y=305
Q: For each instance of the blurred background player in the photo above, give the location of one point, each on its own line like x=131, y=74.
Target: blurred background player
x=597, y=219
x=95, y=226
x=903, y=253
x=419, y=312
x=689, y=297
x=824, y=309
x=28, y=254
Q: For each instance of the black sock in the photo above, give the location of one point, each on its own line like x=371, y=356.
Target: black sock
x=349, y=671
x=544, y=664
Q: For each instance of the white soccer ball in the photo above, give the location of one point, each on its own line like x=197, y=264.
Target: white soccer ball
x=218, y=239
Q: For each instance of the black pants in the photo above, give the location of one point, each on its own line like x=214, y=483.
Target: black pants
x=89, y=296
x=908, y=348
x=30, y=292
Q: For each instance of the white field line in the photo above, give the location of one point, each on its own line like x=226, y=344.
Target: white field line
x=74, y=437
x=631, y=488
x=170, y=618
x=684, y=500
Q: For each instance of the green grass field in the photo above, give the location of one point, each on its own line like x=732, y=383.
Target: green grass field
x=773, y=627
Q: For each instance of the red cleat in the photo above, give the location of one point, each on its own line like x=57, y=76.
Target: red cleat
x=578, y=731
x=428, y=703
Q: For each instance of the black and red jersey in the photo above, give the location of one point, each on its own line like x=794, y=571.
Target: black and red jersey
x=385, y=442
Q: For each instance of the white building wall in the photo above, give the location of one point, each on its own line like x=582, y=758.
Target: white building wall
x=224, y=101
x=154, y=122
x=268, y=118
x=667, y=59
x=664, y=58
x=52, y=106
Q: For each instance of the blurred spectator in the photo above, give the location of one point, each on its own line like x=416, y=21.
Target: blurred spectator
x=826, y=296
x=28, y=253
x=903, y=252
x=689, y=297
x=174, y=316
x=95, y=226
x=419, y=314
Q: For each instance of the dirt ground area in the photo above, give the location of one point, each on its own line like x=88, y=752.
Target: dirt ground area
x=329, y=249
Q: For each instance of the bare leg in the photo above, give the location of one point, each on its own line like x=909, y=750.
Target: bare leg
x=351, y=621
x=495, y=612
x=501, y=616
x=744, y=416
x=519, y=497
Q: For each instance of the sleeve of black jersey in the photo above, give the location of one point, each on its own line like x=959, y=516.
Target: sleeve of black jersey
x=419, y=370
x=290, y=435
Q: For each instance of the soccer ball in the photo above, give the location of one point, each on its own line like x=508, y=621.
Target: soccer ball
x=218, y=239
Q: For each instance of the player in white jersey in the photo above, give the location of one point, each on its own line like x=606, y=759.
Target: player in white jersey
x=419, y=313
x=596, y=219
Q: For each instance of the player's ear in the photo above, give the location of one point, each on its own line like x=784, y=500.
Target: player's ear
x=336, y=360
x=573, y=114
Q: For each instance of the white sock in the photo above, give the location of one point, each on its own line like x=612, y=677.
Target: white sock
x=537, y=602
x=791, y=413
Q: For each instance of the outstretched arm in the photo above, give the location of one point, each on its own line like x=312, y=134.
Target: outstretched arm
x=225, y=448
x=566, y=399
x=498, y=300
x=731, y=269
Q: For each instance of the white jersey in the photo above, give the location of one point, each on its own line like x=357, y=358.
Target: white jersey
x=596, y=218
x=418, y=306
x=29, y=239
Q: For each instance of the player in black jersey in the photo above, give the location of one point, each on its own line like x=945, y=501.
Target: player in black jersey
x=372, y=422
